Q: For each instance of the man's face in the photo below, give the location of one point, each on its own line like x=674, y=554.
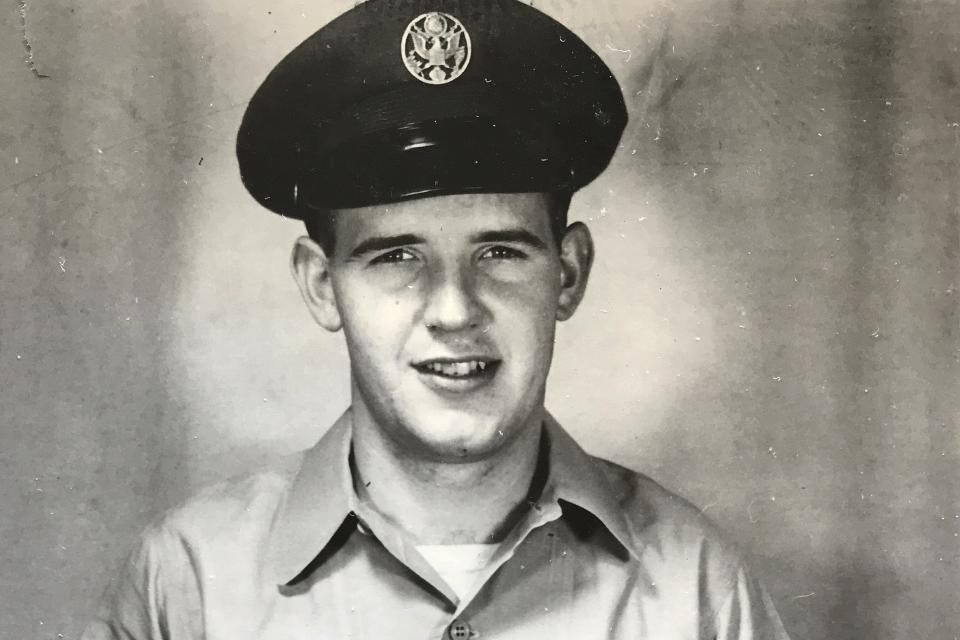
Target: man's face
x=449, y=306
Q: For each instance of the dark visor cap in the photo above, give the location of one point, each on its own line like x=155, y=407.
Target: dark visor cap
x=399, y=99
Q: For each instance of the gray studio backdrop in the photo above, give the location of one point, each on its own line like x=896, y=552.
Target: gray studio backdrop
x=773, y=328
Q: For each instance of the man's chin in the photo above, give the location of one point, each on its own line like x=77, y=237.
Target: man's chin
x=458, y=436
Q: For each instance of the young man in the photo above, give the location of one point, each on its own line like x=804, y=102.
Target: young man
x=432, y=149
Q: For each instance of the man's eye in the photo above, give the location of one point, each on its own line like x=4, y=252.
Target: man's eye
x=395, y=256
x=502, y=253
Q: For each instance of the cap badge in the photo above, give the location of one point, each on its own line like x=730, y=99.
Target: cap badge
x=436, y=48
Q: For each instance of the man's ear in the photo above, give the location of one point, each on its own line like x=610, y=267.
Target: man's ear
x=311, y=269
x=576, y=259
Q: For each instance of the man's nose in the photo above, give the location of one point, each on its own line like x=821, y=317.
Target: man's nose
x=452, y=303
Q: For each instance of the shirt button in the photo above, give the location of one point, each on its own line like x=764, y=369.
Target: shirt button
x=459, y=630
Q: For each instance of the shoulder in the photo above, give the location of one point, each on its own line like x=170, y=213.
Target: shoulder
x=240, y=508
x=672, y=536
x=221, y=532
x=216, y=534
x=690, y=562
x=656, y=512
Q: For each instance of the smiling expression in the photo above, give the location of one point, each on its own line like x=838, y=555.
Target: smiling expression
x=449, y=306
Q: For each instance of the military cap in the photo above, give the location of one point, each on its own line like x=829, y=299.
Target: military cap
x=398, y=99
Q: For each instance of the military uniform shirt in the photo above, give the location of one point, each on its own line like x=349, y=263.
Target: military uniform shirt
x=603, y=553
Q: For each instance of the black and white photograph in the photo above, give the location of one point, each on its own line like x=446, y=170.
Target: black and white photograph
x=480, y=320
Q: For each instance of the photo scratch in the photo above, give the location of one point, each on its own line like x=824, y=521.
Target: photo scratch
x=629, y=52
x=27, y=47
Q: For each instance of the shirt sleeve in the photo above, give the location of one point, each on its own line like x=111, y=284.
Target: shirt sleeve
x=155, y=596
x=748, y=613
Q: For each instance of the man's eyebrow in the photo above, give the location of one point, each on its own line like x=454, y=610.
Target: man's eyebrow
x=518, y=235
x=379, y=243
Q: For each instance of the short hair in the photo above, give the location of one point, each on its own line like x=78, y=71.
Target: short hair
x=321, y=224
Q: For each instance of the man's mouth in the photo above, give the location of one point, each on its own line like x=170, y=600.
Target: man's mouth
x=458, y=369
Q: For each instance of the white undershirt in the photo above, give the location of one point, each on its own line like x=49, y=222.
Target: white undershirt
x=458, y=564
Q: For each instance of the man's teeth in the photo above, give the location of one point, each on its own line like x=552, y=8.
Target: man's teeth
x=457, y=368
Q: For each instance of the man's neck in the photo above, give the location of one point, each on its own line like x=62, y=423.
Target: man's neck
x=444, y=502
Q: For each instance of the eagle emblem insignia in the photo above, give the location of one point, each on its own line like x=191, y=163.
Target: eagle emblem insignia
x=436, y=48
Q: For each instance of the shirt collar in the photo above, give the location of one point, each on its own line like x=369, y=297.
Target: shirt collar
x=579, y=479
x=322, y=496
